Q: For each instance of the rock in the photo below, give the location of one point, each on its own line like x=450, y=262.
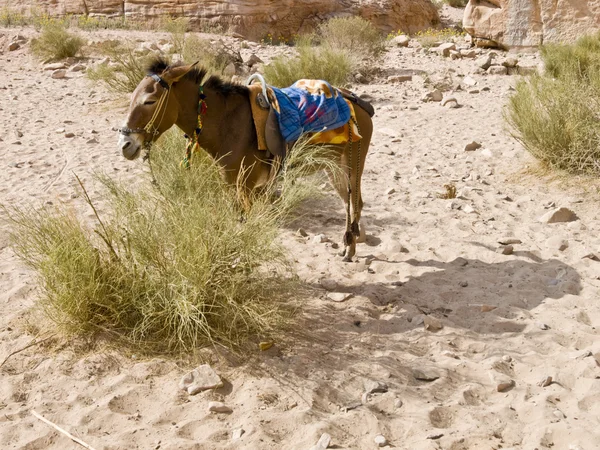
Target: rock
x=472, y=146
x=77, y=68
x=546, y=381
x=92, y=141
x=509, y=241
x=542, y=326
x=435, y=436
x=328, y=284
x=390, y=191
x=54, y=66
x=13, y=46
x=237, y=434
x=253, y=59
x=58, y=74
x=463, y=283
x=469, y=81
x=497, y=70
x=229, y=70
x=219, y=407
x=69, y=135
x=360, y=78
x=301, y=232
x=505, y=250
x=558, y=215
x=445, y=48
x=433, y=96
x=400, y=41
x=374, y=387
x=548, y=22
x=557, y=243
x=487, y=308
x=449, y=102
x=484, y=62
x=323, y=442
x=507, y=358
x=425, y=374
x=200, y=379
x=558, y=414
x=510, y=62
x=592, y=256
x=503, y=383
x=454, y=54
x=380, y=440
x=399, y=78
x=468, y=209
x=432, y=324
x=468, y=53
x=339, y=296
x=320, y=239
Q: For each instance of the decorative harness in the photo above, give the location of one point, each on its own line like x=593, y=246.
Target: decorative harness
x=152, y=127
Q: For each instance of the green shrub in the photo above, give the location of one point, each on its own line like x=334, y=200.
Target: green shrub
x=55, y=42
x=324, y=63
x=213, y=58
x=171, y=266
x=11, y=18
x=354, y=35
x=126, y=71
x=555, y=116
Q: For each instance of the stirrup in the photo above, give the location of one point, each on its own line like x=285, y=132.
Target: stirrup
x=259, y=77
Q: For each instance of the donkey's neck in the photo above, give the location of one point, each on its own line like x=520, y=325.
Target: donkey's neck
x=214, y=121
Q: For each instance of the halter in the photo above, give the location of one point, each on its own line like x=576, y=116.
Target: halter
x=160, y=110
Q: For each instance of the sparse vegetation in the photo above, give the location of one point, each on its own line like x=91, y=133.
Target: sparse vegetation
x=433, y=36
x=354, y=35
x=55, y=42
x=171, y=266
x=555, y=115
x=126, y=71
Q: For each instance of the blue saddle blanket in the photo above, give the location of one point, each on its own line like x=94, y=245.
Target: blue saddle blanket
x=309, y=106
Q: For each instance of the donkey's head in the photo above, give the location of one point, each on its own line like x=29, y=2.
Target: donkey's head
x=153, y=109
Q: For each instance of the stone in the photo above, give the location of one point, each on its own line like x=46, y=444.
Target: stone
x=468, y=53
x=497, y=70
x=558, y=215
x=487, y=308
x=55, y=66
x=390, y=191
x=472, y=146
x=229, y=70
x=200, y=379
x=320, y=239
x=339, y=296
x=510, y=62
x=425, y=374
x=557, y=243
x=301, y=232
x=469, y=81
x=237, y=434
x=509, y=241
x=503, y=382
x=505, y=250
x=433, y=96
x=58, y=74
x=13, y=46
x=449, y=102
x=546, y=381
x=400, y=41
x=495, y=23
x=328, y=284
x=380, y=440
x=484, y=62
x=69, y=135
x=542, y=326
x=77, y=68
x=219, y=407
x=432, y=324
x=558, y=414
x=323, y=442
x=375, y=387
x=445, y=48
x=399, y=78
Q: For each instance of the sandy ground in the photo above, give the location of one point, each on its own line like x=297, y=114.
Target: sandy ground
x=523, y=317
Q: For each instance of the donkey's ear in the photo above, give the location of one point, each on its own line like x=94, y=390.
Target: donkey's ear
x=174, y=74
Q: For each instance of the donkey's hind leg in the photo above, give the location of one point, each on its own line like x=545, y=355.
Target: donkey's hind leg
x=340, y=183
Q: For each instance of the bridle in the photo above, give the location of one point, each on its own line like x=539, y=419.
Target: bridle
x=152, y=126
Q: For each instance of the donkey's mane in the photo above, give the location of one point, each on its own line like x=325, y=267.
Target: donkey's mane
x=197, y=75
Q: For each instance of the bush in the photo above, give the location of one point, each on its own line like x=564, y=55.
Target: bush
x=355, y=35
x=171, y=267
x=126, y=72
x=555, y=116
x=55, y=42
x=432, y=37
x=10, y=18
x=457, y=3
x=322, y=63
x=213, y=58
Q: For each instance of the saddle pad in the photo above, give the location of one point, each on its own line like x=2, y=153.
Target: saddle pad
x=259, y=115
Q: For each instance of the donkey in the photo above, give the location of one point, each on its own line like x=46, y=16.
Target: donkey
x=217, y=115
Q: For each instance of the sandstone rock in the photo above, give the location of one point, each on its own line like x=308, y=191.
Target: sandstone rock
x=505, y=250
x=469, y=81
x=219, y=407
x=425, y=374
x=558, y=215
x=323, y=442
x=77, y=68
x=200, y=379
x=13, y=46
x=432, y=324
x=339, y=296
x=433, y=96
x=445, y=48
x=253, y=20
x=399, y=78
x=380, y=440
x=253, y=59
x=484, y=62
x=497, y=70
x=510, y=62
x=401, y=41
x=468, y=53
x=516, y=23
x=472, y=146
x=54, y=66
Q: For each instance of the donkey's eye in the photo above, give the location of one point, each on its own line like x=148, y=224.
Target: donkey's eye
x=150, y=102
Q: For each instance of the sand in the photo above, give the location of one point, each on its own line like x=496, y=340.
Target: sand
x=507, y=320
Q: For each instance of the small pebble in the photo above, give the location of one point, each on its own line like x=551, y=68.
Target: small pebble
x=219, y=407
x=380, y=440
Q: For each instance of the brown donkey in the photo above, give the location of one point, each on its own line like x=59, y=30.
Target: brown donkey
x=218, y=116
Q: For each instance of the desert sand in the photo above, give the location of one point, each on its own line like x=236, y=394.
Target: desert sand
x=507, y=320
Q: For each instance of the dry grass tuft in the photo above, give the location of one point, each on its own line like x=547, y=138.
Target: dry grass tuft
x=55, y=42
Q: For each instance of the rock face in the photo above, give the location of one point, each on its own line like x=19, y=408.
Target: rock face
x=254, y=20
x=525, y=23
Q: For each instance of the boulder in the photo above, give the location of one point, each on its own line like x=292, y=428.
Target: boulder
x=523, y=23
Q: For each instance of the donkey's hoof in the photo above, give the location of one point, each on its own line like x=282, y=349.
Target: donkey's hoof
x=347, y=259
x=342, y=252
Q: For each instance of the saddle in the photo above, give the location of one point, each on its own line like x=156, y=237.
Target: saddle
x=267, y=113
